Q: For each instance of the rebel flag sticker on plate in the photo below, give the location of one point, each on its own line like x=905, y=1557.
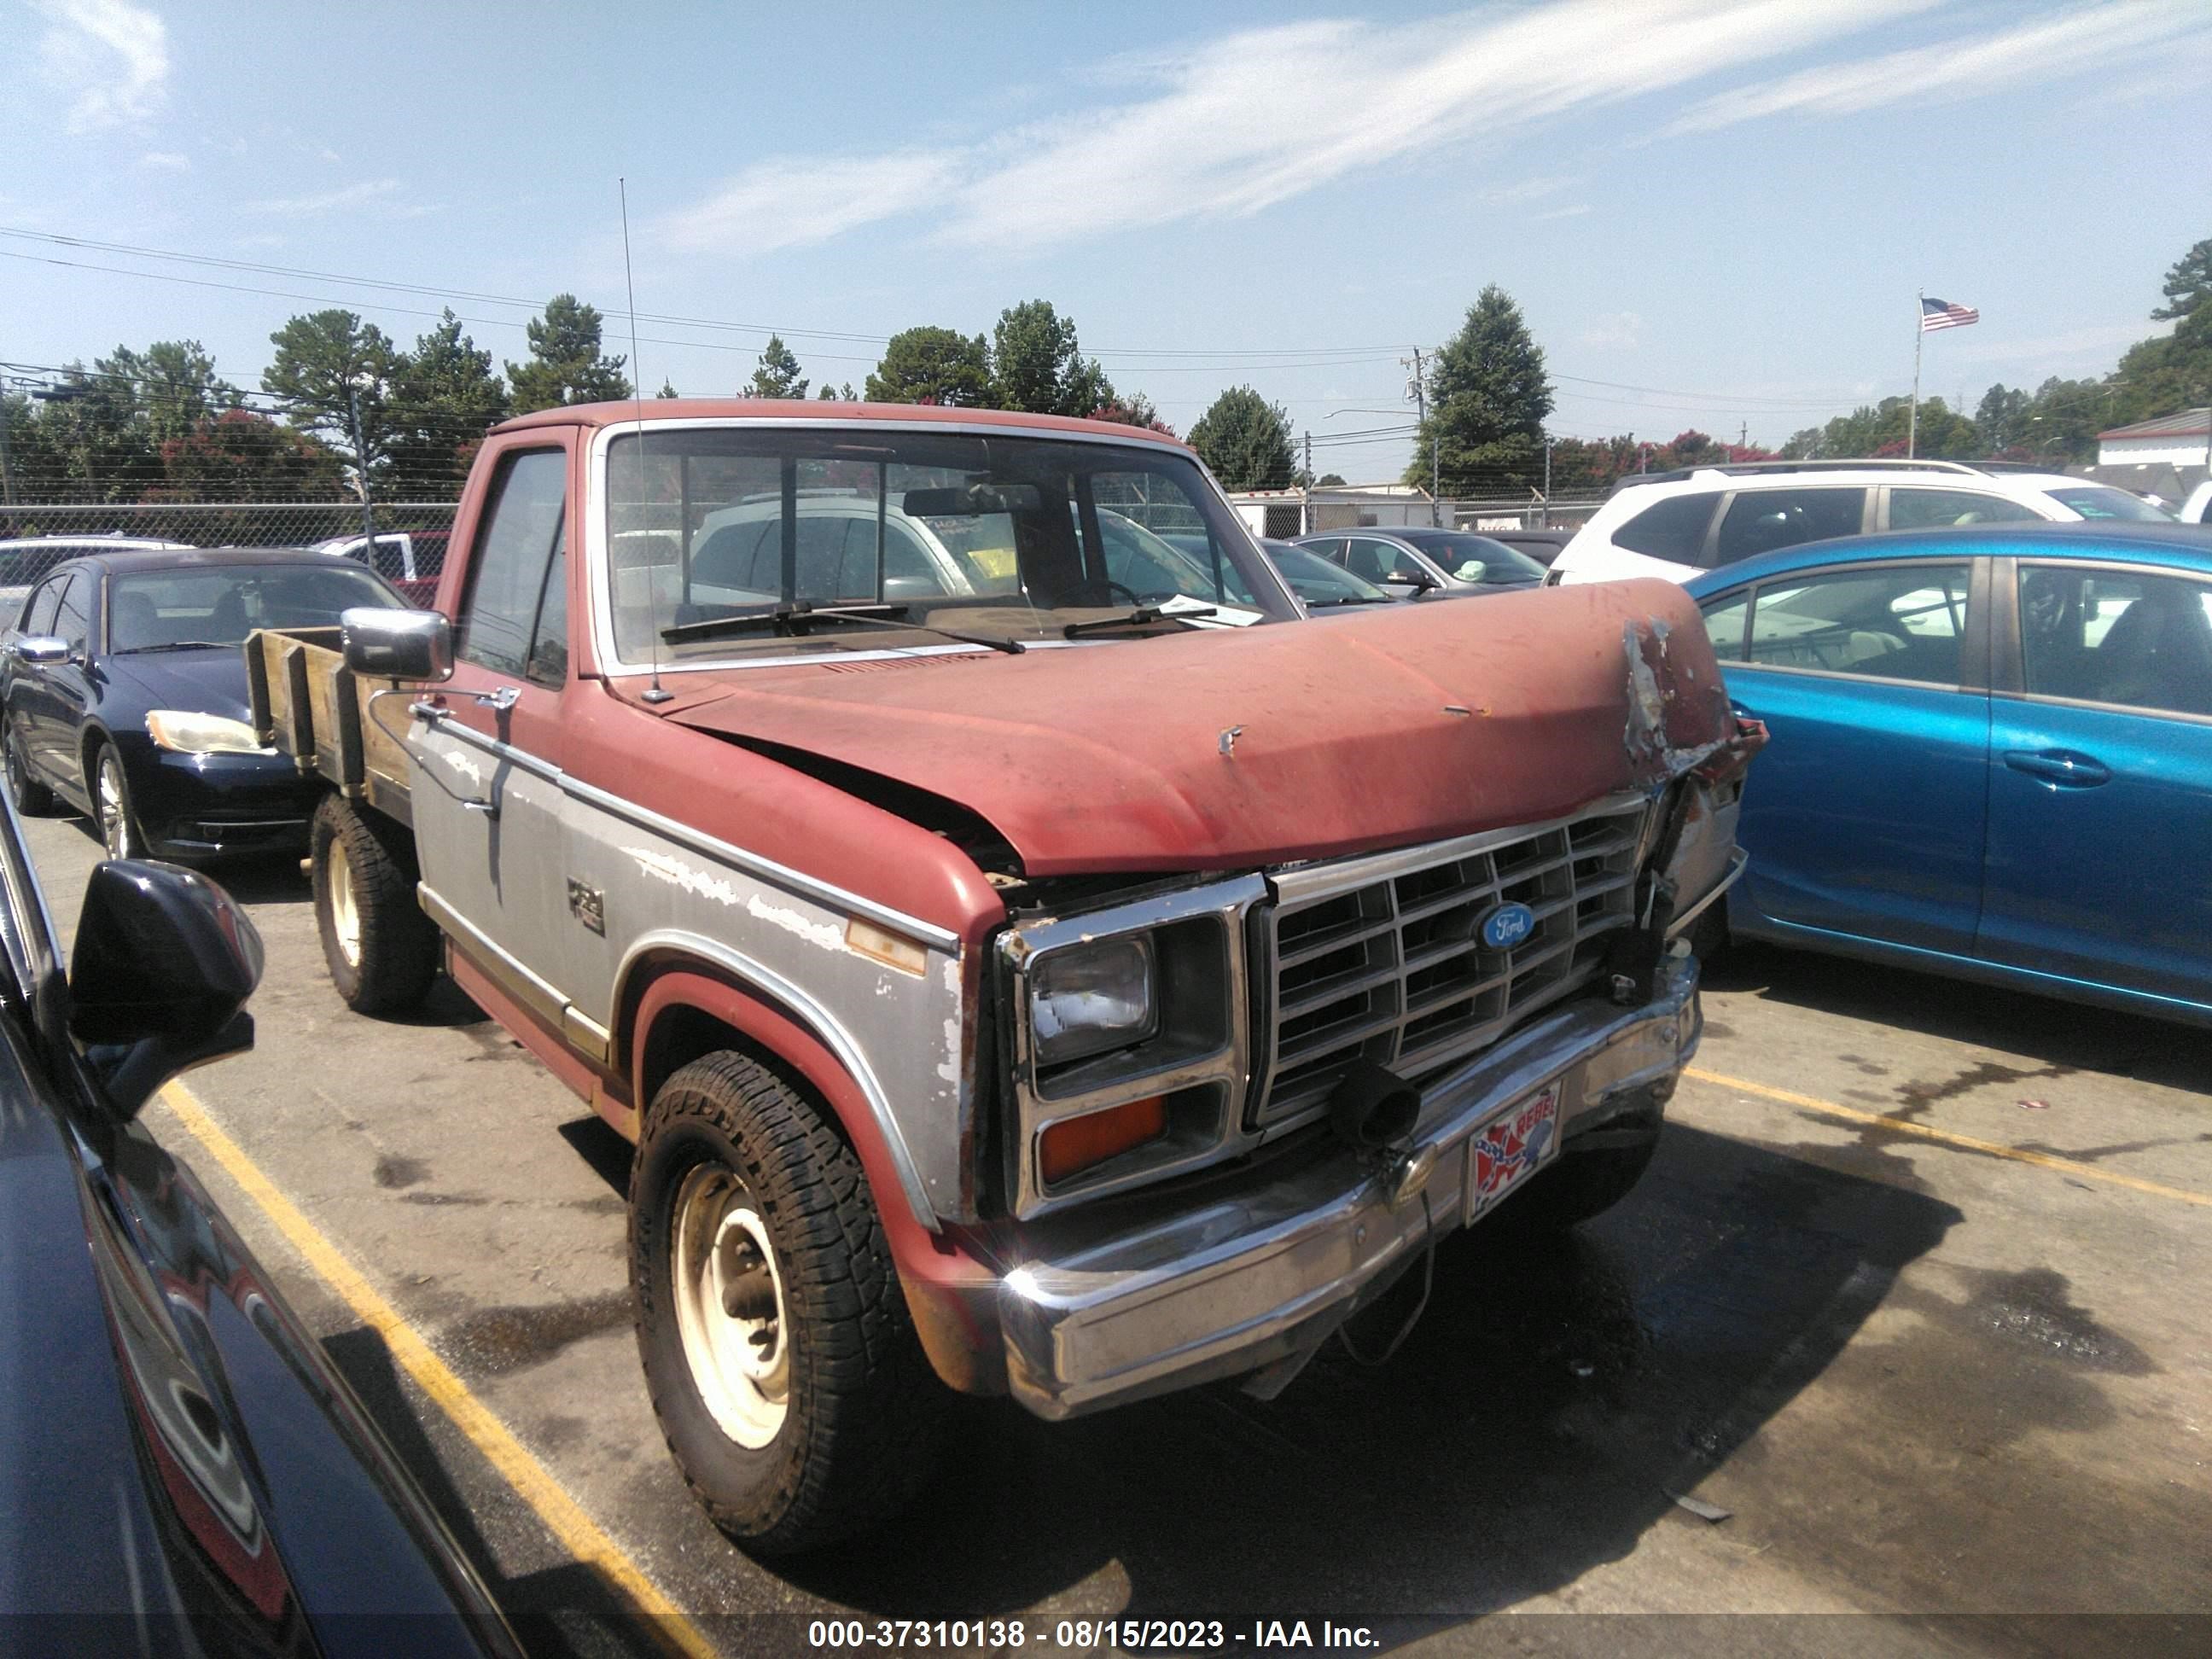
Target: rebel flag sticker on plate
x=1509, y=1148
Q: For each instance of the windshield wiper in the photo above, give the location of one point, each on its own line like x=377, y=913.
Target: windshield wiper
x=1142, y=614
x=794, y=621
x=177, y=645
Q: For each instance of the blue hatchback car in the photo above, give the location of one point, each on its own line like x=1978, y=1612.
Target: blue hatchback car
x=1991, y=755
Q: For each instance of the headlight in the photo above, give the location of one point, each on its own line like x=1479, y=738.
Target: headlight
x=191, y=733
x=1087, y=999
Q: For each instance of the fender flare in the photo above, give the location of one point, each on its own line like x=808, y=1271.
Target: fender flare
x=951, y=1293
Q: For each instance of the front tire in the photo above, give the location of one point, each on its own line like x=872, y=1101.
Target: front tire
x=777, y=1344
x=117, y=821
x=381, y=950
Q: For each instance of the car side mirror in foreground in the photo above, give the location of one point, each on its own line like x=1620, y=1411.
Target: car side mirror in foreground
x=39, y=650
x=163, y=964
x=397, y=644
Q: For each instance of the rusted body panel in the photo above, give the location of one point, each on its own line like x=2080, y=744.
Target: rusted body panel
x=1216, y=752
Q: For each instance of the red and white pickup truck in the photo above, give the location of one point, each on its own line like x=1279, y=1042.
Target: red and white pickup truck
x=1023, y=966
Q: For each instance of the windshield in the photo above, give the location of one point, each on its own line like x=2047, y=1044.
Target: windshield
x=221, y=604
x=1014, y=535
x=1475, y=558
x=2102, y=502
x=1318, y=582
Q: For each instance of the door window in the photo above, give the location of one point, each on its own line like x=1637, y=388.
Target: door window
x=1927, y=509
x=39, y=614
x=1901, y=622
x=2126, y=637
x=1760, y=520
x=1673, y=529
x=71, y=618
x=1724, y=622
x=1377, y=562
x=514, y=549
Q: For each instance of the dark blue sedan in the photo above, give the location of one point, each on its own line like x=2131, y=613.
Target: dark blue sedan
x=124, y=693
x=1991, y=755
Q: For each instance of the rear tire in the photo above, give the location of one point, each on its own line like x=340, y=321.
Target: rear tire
x=381, y=950
x=777, y=1344
x=33, y=799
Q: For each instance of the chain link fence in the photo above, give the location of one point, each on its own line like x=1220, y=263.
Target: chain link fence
x=410, y=548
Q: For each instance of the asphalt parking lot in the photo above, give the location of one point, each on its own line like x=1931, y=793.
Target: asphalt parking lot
x=1915, y=1294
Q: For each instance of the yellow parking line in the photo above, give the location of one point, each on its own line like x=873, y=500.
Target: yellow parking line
x=1946, y=1138
x=578, y=1533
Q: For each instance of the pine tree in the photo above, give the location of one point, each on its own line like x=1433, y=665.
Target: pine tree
x=323, y=362
x=444, y=397
x=932, y=365
x=1487, y=399
x=1037, y=366
x=777, y=374
x=566, y=365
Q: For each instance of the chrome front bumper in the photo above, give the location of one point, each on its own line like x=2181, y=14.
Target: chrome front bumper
x=1264, y=1276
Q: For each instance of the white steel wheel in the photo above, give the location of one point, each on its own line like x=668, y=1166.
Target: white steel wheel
x=345, y=909
x=115, y=803
x=728, y=1292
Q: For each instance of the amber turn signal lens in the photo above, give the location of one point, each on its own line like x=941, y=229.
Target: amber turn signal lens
x=1074, y=1145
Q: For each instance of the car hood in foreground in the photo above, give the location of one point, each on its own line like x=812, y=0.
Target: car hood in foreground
x=1402, y=724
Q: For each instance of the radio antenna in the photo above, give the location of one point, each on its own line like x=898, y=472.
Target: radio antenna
x=657, y=692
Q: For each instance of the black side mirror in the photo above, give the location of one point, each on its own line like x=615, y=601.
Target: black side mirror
x=164, y=963
x=1411, y=575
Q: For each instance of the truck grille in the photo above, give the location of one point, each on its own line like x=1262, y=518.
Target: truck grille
x=1381, y=957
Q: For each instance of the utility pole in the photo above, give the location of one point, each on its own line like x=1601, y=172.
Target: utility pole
x=1305, y=500
x=1417, y=390
x=360, y=461
x=1919, y=333
x=1743, y=437
x=6, y=470
x=1546, y=513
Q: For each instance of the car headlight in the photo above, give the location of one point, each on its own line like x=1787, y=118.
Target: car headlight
x=1087, y=999
x=188, y=732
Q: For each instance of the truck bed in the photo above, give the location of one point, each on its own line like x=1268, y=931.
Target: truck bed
x=309, y=705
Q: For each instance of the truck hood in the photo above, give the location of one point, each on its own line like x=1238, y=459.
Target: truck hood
x=1269, y=745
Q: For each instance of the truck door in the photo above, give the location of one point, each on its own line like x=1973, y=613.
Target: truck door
x=488, y=796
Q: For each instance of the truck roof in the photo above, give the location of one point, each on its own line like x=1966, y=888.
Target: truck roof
x=821, y=410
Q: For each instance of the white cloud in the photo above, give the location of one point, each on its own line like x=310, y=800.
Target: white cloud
x=791, y=202
x=166, y=161
x=1528, y=190
x=1620, y=331
x=1245, y=121
x=2048, y=50
x=111, y=56
x=368, y=192
x=1574, y=212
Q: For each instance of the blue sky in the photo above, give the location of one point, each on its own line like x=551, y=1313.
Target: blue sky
x=1730, y=202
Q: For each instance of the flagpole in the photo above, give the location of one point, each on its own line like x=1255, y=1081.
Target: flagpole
x=1919, y=333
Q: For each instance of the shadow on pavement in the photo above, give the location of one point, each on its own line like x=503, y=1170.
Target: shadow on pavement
x=1537, y=1421
x=2062, y=1034
x=568, y=1609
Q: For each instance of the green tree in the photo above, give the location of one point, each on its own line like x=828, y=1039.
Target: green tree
x=932, y=365
x=175, y=383
x=777, y=374
x=443, y=396
x=1037, y=366
x=1487, y=400
x=2188, y=282
x=566, y=364
x=1328, y=479
x=2000, y=419
x=1246, y=439
x=320, y=359
x=89, y=441
x=667, y=388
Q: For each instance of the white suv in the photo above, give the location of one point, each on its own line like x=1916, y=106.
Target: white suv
x=1676, y=524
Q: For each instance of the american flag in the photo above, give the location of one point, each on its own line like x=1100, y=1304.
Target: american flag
x=1942, y=313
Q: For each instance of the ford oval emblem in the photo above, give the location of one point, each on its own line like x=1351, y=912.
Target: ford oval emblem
x=1507, y=925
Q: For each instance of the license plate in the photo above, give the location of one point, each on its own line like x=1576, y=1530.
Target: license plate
x=1509, y=1148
